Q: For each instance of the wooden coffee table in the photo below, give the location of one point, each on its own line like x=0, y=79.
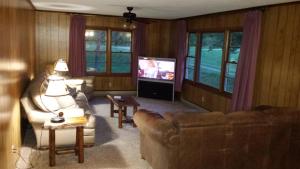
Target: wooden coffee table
x=122, y=104
x=76, y=122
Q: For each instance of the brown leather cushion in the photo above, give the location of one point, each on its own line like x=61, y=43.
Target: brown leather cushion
x=245, y=117
x=195, y=119
x=156, y=127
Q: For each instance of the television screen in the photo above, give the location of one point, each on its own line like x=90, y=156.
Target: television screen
x=156, y=68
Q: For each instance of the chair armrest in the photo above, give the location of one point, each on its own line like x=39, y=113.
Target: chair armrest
x=155, y=126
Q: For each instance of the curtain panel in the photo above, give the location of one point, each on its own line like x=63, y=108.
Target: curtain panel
x=180, y=47
x=139, y=49
x=77, y=60
x=244, y=82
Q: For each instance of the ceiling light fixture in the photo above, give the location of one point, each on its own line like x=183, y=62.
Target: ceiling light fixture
x=130, y=17
x=62, y=6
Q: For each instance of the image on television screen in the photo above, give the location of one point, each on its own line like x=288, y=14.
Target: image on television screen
x=156, y=68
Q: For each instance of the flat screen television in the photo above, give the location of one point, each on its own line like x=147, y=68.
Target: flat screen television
x=156, y=68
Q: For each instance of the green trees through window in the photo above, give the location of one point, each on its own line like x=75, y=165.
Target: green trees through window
x=120, y=52
x=191, y=57
x=101, y=58
x=212, y=59
x=95, y=51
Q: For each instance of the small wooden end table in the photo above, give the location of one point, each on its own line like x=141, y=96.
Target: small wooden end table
x=122, y=104
x=76, y=122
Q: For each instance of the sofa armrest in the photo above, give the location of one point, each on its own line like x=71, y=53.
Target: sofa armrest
x=36, y=116
x=89, y=80
x=156, y=127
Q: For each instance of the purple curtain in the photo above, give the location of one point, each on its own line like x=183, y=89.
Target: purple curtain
x=245, y=75
x=139, y=49
x=77, y=46
x=180, y=34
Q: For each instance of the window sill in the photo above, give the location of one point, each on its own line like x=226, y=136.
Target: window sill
x=108, y=74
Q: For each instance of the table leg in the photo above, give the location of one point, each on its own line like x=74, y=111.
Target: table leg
x=120, y=117
x=125, y=111
x=79, y=132
x=111, y=109
x=52, y=147
x=77, y=143
x=134, y=111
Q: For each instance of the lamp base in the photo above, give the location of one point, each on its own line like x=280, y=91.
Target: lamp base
x=57, y=119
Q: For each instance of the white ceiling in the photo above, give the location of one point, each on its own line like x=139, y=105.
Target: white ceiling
x=159, y=9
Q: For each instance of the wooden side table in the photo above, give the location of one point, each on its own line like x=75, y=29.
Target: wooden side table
x=76, y=122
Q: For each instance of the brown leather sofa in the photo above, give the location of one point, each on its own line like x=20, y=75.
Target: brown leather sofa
x=267, y=138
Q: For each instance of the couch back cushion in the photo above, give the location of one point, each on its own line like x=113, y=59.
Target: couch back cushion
x=284, y=136
x=195, y=119
x=47, y=103
x=248, y=138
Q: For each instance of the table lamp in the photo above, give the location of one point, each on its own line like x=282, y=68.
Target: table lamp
x=61, y=67
x=56, y=87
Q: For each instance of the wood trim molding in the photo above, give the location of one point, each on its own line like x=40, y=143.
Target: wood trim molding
x=31, y=4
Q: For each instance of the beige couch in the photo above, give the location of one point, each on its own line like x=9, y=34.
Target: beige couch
x=262, y=139
x=38, y=106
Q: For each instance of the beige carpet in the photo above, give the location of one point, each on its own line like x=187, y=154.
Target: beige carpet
x=114, y=149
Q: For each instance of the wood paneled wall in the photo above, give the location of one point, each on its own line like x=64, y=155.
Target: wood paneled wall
x=16, y=60
x=158, y=39
x=204, y=98
x=52, y=42
x=52, y=38
x=216, y=21
x=278, y=69
x=197, y=95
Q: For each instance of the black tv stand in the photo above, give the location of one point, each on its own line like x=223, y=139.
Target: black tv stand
x=155, y=89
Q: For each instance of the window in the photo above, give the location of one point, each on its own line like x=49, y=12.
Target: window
x=95, y=50
x=215, y=59
x=235, y=40
x=210, y=61
x=190, y=59
x=120, y=52
x=108, y=51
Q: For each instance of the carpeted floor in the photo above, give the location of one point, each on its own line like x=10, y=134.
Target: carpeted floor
x=114, y=148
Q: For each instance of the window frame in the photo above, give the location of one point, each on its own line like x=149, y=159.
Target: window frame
x=187, y=55
x=225, y=59
x=109, y=31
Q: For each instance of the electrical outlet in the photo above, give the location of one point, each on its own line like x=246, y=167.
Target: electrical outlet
x=202, y=99
x=14, y=149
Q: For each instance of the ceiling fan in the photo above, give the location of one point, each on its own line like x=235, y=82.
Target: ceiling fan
x=130, y=17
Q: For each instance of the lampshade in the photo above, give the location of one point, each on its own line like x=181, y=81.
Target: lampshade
x=56, y=86
x=61, y=66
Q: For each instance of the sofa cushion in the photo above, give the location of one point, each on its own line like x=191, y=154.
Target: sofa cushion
x=245, y=117
x=195, y=119
x=48, y=103
x=35, y=92
x=66, y=102
x=77, y=84
x=82, y=102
